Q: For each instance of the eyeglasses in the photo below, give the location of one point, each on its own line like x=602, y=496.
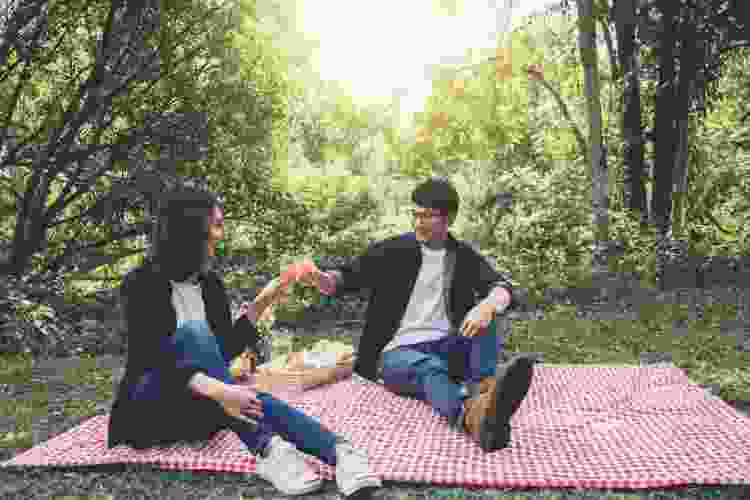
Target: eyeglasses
x=426, y=215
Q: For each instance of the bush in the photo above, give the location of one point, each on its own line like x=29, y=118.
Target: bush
x=27, y=324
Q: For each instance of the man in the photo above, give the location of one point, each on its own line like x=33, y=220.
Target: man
x=422, y=329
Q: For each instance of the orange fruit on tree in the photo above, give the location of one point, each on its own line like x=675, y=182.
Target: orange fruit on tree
x=423, y=135
x=503, y=63
x=439, y=119
x=535, y=71
x=457, y=88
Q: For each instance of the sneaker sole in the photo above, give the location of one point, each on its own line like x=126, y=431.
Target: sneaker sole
x=312, y=486
x=303, y=491
x=365, y=493
x=495, y=431
x=370, y=483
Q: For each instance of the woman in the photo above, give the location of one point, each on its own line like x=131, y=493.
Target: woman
x=177, y=386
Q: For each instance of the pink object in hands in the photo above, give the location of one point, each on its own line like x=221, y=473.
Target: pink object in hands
x=296, y=270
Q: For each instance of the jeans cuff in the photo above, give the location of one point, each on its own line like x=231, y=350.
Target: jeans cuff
x=458, y=422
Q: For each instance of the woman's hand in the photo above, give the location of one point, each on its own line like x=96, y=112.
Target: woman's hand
x=311, y=278
x=240, y=402
x=259, y=308
x=275, y=291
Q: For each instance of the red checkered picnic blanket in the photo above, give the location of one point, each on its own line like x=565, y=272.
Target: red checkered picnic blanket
x=598, y=427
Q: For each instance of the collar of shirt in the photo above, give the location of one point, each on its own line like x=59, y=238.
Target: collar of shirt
x=193, y=279
x=433, y=245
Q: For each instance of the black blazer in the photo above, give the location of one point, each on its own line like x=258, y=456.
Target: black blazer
x=150, y=316
x=389, y=268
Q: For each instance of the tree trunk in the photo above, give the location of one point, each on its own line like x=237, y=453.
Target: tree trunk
x=689, y=55
x=31, y=229
x=680, y=178
x=664, y=128
x=633, y=190
x=599, y=177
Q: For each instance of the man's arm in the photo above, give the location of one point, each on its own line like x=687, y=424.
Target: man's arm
x=499, y=298
x=362, y=273
x=498, y=286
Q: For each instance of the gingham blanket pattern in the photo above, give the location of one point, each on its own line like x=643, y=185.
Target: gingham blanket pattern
x=580, y=426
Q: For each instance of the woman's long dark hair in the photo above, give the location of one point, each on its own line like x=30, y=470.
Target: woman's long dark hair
x=182, y=235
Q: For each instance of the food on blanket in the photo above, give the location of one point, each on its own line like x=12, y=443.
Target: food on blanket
x=317, y=359
x=243, y=364
x=293, y=370
x=343, y=352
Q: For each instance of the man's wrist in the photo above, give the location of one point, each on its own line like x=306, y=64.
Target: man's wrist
x=250, y=311
x=500, y=299
x=327, y=284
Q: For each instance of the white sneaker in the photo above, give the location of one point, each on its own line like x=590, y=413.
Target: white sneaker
x=285, y=468
x=353, y=470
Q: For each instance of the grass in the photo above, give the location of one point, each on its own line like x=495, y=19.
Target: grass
x=708, y=356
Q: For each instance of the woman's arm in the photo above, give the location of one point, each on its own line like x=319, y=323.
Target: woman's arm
x=270, y=294
x=206, y=386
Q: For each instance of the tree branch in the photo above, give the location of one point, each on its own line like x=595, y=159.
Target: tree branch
x=614, y=67
x=85, y=188
x=71, y=249
x=22, y=81
x=34, y=137
x=566, y=113
x=11, y=189
x=10, y=70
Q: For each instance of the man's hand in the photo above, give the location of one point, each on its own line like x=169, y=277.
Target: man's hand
x=323, y=282
x=474, y=327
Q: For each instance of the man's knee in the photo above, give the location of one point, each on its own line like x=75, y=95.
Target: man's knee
x=408, y=377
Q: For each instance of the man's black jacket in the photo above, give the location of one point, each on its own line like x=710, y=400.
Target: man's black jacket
x=389, y=268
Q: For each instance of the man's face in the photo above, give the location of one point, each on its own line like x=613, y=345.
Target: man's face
x=430, y=224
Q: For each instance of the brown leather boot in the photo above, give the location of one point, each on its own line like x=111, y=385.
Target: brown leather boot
x=477, y=413
x=487, y=414
x=487, y=384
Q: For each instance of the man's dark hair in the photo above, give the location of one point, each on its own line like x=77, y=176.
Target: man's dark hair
x=437, y=194
x=182, y=235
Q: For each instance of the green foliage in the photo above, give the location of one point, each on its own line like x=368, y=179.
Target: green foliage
x=213, y=63
x=707, y=355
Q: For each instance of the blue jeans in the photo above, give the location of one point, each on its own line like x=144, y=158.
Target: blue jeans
x=193, y=340
x=422, y=370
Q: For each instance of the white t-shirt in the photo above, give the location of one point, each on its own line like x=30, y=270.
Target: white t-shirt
x=426, y=317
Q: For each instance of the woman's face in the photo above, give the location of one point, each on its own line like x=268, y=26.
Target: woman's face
x=215, y=230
